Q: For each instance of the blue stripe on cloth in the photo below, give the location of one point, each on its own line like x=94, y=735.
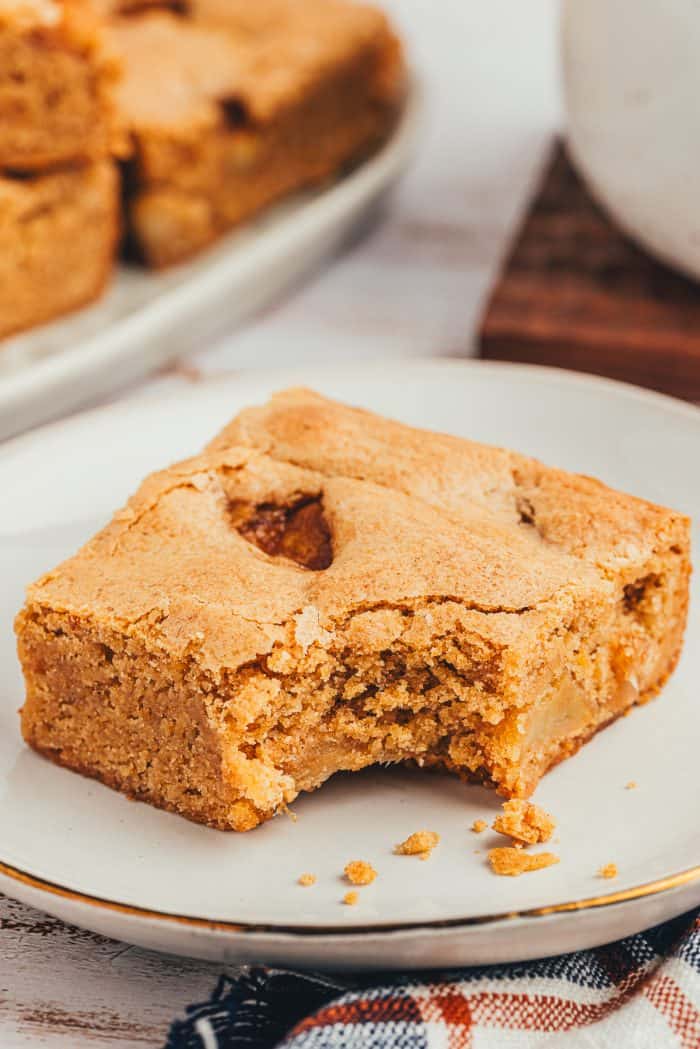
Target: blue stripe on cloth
x=689, y=947
x=582, y=968
x=380, y=1035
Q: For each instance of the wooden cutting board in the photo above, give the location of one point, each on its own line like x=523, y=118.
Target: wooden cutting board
x=576, y=293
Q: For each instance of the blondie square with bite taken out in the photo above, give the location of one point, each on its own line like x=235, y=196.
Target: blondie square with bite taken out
x=323, y=589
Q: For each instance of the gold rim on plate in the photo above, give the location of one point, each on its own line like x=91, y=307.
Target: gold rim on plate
x=652, y=888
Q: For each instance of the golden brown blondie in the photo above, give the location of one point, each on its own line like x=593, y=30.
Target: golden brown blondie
x=56, y=85
x=58, y=235
x=323, y=589
x=234, y=117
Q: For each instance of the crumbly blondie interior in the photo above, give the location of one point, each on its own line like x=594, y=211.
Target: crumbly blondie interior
x=324, y=590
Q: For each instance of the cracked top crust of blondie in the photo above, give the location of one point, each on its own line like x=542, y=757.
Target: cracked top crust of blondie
x=568, y=513
x=306, y=522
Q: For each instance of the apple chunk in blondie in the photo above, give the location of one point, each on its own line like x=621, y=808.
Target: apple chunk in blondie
x=322, y=590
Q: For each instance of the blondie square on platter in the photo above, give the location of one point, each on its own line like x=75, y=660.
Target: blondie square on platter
x=322, y=589
x=243, y=108
x=58, y=234
x=57, y=77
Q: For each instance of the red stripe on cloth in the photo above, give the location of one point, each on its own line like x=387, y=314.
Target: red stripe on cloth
x=680, y=1013
x=536, y=1012
x=453, y=1010
x=364, y=1011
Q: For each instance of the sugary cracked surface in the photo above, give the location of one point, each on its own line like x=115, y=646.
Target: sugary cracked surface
x=322, y=589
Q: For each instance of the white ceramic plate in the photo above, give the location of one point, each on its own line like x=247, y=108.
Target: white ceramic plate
x=83, y=852
x=146, y=318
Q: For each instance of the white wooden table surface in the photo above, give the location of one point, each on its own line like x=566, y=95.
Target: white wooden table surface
x=413, y=286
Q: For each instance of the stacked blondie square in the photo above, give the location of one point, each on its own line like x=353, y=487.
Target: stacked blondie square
x=59, y=187
x=172, y=123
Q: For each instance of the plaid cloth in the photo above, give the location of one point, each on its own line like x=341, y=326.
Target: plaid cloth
x=639, y=993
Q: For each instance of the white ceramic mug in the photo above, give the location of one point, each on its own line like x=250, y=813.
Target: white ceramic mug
x=632, y=87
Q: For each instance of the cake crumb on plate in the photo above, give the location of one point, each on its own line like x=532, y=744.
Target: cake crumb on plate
x=479, y=826
x=307, y=879
x=421, y=843
x=359, y=872
x=608, y=871
x=631, y=784
x=351, y=898
x=512, y=862
x=524, y=822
